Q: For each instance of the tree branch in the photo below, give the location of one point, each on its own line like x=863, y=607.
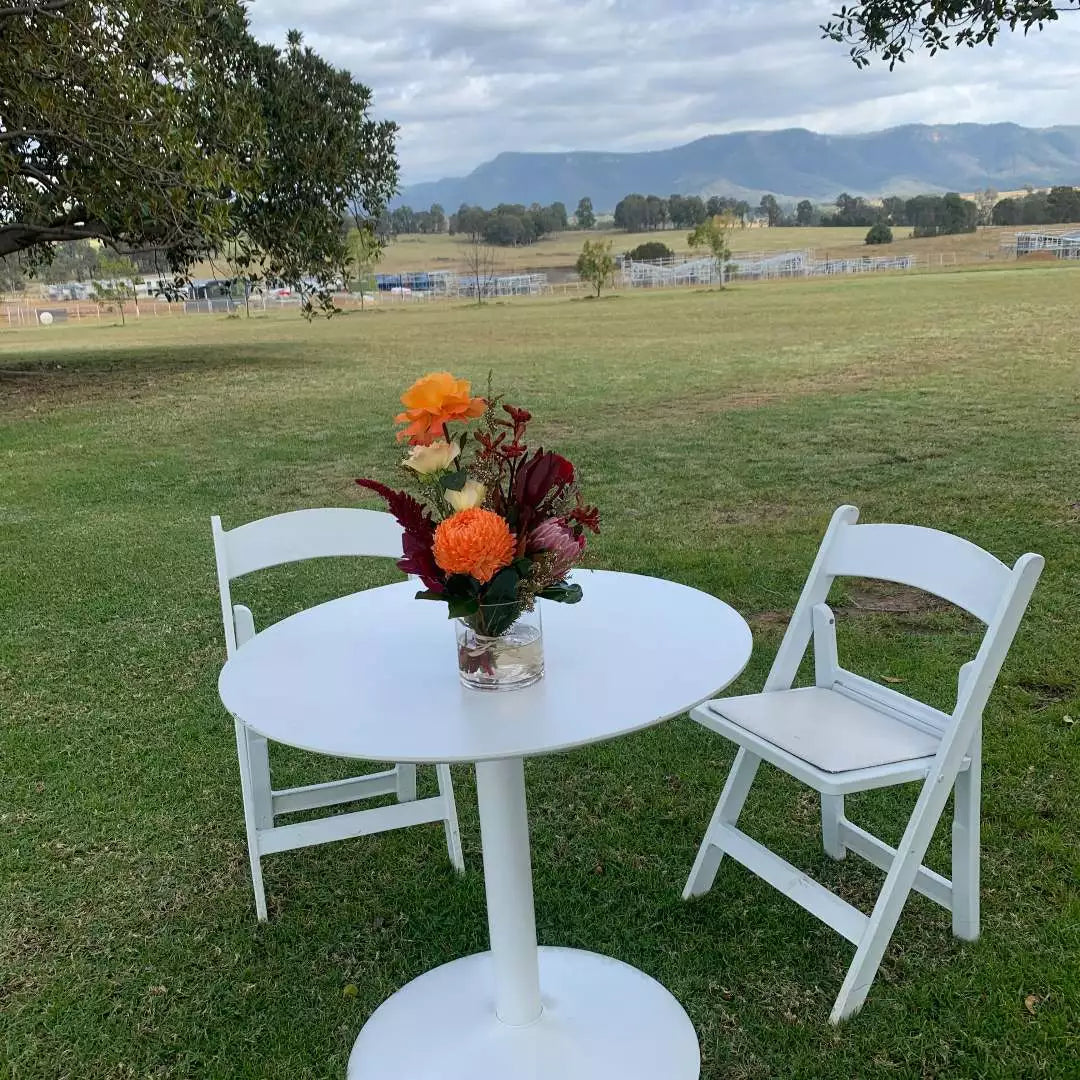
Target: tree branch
x=15, y=238
x=43, y=7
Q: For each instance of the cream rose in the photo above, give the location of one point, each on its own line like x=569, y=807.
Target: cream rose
x=472, y=494
x=436, y=457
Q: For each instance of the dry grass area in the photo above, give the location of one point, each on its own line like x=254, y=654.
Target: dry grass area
x=447, y=253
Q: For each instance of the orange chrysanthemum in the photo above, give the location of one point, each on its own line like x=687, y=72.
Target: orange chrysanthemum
x=432, y=402
x=476, y=542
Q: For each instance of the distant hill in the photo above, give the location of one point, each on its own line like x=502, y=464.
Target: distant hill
x=792, y=164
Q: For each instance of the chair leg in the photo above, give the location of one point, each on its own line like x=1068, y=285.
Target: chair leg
x=251, y=815
x=832, y=813
x=890, y=902
x=261, y=787
x=965, y=846
x=450, y=821
x=406, y=783
x=727, y=812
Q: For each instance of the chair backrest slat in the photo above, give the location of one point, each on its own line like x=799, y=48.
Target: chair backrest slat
x=311, y=534
x=936, y=562
x=293, y=537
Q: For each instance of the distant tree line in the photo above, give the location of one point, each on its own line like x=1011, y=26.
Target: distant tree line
x=1057, y=206
x=506, y=225
x=928, y=215
x=509, y=224
x=512, y=224
x=404, y=221
x=646, y=213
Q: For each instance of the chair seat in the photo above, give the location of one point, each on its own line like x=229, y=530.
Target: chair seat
x=826, y=729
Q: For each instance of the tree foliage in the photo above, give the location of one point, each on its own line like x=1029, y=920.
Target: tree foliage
x=650, y=251
x=879, y=233
x=770, y=210
x=509, y=224
x=164, y=125
x=713, y=235
x=585, y=216
x=595, y=264
x=893, y=29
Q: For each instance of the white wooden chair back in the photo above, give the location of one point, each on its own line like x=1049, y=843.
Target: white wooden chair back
x=288, y=538
x=935, y=562
x=294, y=537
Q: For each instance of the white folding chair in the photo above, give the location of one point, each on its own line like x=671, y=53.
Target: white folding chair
x=292, y=537
x=846, y=734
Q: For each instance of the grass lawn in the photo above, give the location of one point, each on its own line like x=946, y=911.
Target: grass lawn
x=717, y=431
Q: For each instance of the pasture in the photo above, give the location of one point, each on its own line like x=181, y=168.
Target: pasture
x=447, y=252
x=717, y=431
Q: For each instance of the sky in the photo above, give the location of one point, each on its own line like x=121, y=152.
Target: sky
x=467, y=79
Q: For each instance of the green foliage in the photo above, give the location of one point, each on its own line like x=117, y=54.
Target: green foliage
x=509, y=224
x=584, y=215
x=650, y=250
x=941, y=215
x=1058, y=206
x=769, y=209
x=880, y=233
x=595, y=264
x=804, y=213
x=713, y=234
x=168, y=126
x=363, y=251
x=118, y=287
x=853, y=211
x=893, y=29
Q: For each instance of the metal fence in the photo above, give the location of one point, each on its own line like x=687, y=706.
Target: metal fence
x=755, y=266
x=1061, y=245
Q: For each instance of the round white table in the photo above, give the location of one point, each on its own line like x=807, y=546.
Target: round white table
x=374, y=676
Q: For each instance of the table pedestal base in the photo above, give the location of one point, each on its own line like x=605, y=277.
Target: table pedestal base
x=601, y=1019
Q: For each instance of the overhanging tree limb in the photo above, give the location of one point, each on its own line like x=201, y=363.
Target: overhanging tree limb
x=893, y=29
x=164, y=123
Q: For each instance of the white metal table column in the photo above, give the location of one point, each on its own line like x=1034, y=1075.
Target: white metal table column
x=504, y=833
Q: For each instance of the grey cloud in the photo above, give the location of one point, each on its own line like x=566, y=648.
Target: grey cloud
x=467, y=79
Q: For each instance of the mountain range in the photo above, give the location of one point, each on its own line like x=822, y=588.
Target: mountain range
x=792, y=164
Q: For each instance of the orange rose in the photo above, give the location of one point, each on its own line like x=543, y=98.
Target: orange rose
x=476, y=542
x=434, y=401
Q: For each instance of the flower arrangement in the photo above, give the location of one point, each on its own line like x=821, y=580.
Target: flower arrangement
x=489, y=526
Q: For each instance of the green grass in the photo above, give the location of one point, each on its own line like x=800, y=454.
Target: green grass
x=717, y=432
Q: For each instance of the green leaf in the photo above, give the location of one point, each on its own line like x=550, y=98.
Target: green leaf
x=461, y=607
x=454, y=481
x=499, y=608
x=522, y=566
x=462, y=585
x=427, y=594
x=563, y=593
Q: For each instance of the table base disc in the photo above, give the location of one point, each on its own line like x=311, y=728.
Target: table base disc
x=601, y=1019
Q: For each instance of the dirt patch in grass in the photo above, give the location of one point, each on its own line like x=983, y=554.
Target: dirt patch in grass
x=866, y=596
x=1048, y=692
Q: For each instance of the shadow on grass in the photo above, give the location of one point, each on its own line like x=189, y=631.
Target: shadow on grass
x=65, y=375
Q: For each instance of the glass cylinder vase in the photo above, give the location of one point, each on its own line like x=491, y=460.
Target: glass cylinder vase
x=509, y=659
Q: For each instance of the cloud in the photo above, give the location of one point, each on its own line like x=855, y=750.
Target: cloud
x=467, y=79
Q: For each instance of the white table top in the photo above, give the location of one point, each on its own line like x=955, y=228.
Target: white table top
x=374, y=675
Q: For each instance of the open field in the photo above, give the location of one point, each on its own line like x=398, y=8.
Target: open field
x=717, y=431
x=445, y=252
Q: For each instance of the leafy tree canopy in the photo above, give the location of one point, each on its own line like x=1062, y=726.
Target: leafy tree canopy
x=164, y=124
x=595, y=264
x=892, y=29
